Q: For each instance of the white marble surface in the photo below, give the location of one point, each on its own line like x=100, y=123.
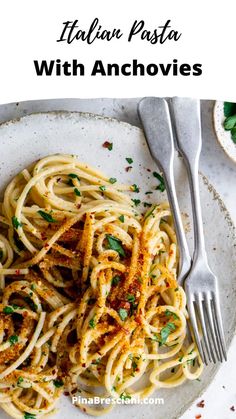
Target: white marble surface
x=220, y=170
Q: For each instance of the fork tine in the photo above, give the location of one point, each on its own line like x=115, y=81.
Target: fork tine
x=212, y=329
x=217, y=333
x=199, y=305
x=193, y=320
x=219, y=325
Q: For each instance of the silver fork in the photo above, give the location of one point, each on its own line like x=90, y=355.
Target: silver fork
x=155, y=118
x=203, y=295
x=201, y=285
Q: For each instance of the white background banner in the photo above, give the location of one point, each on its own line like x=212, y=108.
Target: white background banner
x=29, y=31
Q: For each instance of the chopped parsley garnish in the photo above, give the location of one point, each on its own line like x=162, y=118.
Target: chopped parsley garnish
x=165, y=331
x=92, y=323
x=129, y=160
x=122, y=218
x=29, y=416
x=136, y=201
x=147, y=204
x=191, y=362
x=112, y=180
x=115, y=280
x=135, y=188
x=148, y=193
x=96, y=361
x=13, y=339
x=73, y=176
x=161, y=187
x=108, y=145
x=15, y=222
x=46, y=216
x=134, y=365
x=8, y=310
x=130, y=298
x=77, y=192
x=149, y=213
x=125, y=396
x=33, y=287
x=169, y=313
x=102, y=188
x=180, y=359
x=58, y=383
x=20, y=380
x=115, y=244
x=123, y=313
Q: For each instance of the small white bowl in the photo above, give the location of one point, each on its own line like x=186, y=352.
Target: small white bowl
x=223, y=136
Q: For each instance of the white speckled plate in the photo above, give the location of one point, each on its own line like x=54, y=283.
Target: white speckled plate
x=38, y=135
x=223, y=136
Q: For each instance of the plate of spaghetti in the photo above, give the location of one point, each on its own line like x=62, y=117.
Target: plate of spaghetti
x=92, y=318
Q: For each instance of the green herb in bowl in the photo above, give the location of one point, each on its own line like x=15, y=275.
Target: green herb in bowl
x=230, y=119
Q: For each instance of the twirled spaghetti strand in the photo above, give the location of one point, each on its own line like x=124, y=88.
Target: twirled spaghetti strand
x=89, y=297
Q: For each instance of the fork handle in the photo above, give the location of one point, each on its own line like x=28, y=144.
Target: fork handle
x=187, y=123
x=155, y=118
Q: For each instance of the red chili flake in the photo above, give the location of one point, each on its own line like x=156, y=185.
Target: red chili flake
x=84, y=409
x=46, y=245
x=148, y=170
x=83, y=365
x=198, y=416
x=138, y=319
x=232, y=408
x=17, y=271
x=43, y=236
x=66, y=393
x=128, y=168
x=108, y=145
x=201, y=403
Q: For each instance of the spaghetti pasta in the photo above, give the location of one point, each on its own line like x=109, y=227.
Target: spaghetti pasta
x=90, y=302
